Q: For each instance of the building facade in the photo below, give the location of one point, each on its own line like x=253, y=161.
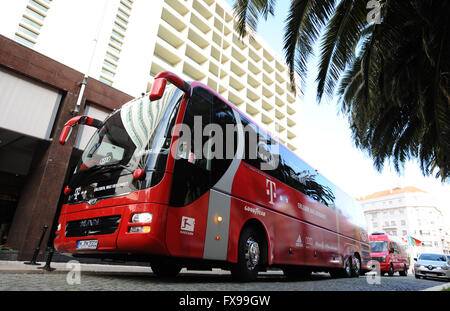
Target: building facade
x=37, y=96
x=125, y=43
x=408, y=212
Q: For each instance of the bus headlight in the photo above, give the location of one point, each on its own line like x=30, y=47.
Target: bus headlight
x=141, y=218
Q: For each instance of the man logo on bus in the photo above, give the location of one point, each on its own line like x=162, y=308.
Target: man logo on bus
x=271, y=190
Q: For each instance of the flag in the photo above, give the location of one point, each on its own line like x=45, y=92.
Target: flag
x=418, y=242
x=413, y=241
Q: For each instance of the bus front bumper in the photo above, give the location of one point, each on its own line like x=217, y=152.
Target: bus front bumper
x=113, y=230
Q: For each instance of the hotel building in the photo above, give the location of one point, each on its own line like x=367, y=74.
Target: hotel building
x=125, y=43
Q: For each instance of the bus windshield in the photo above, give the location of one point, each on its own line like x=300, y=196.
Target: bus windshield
x=136, y=136
x=378, y=246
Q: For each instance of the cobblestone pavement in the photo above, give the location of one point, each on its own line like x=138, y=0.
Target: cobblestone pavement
x=202, y=281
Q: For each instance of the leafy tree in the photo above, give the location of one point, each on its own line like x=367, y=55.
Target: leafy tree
x=391, y=76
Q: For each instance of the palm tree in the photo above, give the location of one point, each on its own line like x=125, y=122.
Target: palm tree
x=392, y=78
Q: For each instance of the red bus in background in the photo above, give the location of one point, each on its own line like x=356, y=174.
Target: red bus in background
x=155, y=184
x=390, y=253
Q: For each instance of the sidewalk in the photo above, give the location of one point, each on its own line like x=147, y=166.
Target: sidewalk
x=62, y=267
x=65, y=267
x=438, y=288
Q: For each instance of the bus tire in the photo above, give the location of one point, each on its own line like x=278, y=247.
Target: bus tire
x=404, y=272
x=345, y=272
x=165, y=268
x=250, y=245
x=391, y=270
x=356, y=266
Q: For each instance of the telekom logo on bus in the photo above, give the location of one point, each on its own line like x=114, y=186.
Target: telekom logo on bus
x=271, y=190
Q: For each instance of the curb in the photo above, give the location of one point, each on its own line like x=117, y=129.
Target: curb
x=437, y=288
x=19, y=267
x=13, y=267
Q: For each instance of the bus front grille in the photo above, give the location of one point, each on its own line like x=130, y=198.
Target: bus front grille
x=380, y=259
x=92, y=226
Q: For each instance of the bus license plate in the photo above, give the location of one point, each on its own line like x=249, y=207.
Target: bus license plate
x=87, y=244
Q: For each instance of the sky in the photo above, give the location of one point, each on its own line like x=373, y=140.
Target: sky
x=325, y=142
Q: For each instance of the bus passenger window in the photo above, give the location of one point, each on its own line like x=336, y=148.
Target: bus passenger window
x=192, y=170
x=224, y=150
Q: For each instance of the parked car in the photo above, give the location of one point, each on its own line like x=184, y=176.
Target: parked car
x=390, y=254
x=432, y=265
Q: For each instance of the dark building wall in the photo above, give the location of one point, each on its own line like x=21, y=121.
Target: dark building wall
x=39, y=197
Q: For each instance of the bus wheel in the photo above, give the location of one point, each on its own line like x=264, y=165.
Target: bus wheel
x=356, y=267
x=391, y=270
x=249, y=256
x=404, y=272
x=165, y=269
x=345, y=272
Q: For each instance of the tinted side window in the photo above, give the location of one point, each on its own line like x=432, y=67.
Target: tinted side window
x=267, y=155
x=261, y=151
x=191, y=177
x=270, y=157
x=391, y=246
x=397, y=248
x=223, y=142
x=302, y=177
x=251, y=141
x=159, y=145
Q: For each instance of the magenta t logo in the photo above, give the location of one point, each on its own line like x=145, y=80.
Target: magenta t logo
x=271, y=190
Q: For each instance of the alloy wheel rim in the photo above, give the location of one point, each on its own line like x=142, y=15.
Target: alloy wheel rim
x=252, y=253
x=348, y=266
x=357, y=265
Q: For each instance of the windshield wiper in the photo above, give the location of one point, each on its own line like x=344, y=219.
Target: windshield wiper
x=117, y=165
x=109, y=167
x=95, y=170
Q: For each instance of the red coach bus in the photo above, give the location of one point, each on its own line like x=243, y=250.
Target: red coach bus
x=182, y=178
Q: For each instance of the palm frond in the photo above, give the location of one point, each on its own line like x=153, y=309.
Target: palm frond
x=305, y=20
x=342, y=33
x=248, y=12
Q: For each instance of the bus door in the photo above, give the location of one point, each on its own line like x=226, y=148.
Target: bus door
x=191, y=181
x=204, y=170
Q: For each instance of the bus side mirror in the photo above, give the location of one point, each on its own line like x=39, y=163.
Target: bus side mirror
x=159, y=85
x=67, y=129
x=158, y=88
x=65, y=134
x=415, y=259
